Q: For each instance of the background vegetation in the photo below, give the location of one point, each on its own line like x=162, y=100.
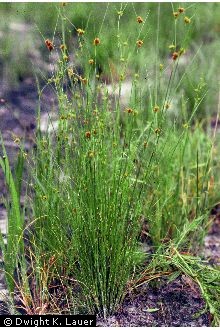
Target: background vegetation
x=18, y=48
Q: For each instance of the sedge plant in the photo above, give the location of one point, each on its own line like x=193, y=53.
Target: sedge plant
x=100, y=169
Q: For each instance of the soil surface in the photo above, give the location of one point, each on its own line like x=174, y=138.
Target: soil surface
x=175, y=304
x=165, y=305
x=157, y=304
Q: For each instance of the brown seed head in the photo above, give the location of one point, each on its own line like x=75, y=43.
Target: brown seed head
x=49, y=44
x=129, y=110
x=80, y=32
x=140, y=19
x=88, y=134
x=157, y=130
x=85, y=121
x=96, y=41
x=139, y=43
x=175, y=55
x=181, y=10
x=175, y=14
x=156, y=108
x=187, y=20
x=63, y=117
x=91, y=61
x=17, y=140
x=63, y=46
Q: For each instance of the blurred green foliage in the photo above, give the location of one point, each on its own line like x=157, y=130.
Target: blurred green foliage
x=20, y=49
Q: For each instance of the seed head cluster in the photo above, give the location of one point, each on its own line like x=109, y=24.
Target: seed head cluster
x=129, y=110
x=80, y=32
x=88, y=134
x=96, y=41
x=139, y=43
x=140, y=19
x=49, y=44
x=156, y=108
x=187, y=20
x=175, y=14
x=175, y=55
x=181, y=10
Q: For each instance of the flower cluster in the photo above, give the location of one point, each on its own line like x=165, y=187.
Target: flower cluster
x=49, y=44
x=181, y=10
x=96, y=41
x=139, y=43
x=140, y=19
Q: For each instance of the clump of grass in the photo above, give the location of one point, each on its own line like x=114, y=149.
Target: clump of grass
x=104, y=168
x=171, y=260
x=15, y=225
x=178, y=187
x=86, y=192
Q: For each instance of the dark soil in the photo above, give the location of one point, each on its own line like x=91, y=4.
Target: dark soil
x=166, y=304
x=163, y=303
x=212, y=240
